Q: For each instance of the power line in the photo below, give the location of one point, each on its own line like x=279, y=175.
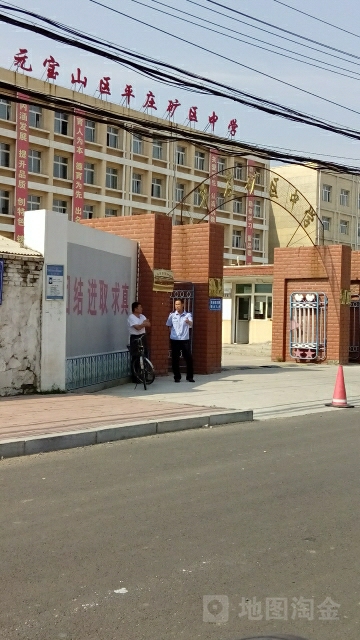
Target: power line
x=164, y=72
x=274, y=26
x=282, y=36
x=167, y=131
x=335, y=26
x=240, y=64
x=252, y=44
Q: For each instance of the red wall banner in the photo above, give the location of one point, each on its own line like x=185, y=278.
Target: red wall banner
x=213, y=188
x=79, y=158
x=250, y=200
x=21, y=167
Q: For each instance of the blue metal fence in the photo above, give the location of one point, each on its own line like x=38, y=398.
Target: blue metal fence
x=84, y=371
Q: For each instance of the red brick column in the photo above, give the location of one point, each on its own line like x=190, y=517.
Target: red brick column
x=322, y=269
x=197, y=255
x=153, y=233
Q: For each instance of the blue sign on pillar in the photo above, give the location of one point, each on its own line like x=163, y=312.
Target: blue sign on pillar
x=215, y=304
x=1, y=279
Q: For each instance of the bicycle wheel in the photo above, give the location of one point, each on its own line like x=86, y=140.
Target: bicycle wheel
x=147, y=371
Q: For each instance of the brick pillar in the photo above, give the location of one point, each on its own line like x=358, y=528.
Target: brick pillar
x=321, y=269
x=197, y=255
x=153, y=233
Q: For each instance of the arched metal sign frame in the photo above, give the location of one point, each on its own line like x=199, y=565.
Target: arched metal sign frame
x=282, y=193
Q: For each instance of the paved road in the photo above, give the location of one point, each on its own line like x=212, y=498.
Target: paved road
x=122, y=541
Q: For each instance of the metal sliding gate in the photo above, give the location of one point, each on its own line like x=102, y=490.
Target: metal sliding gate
x=308, y=326
x=354, y=344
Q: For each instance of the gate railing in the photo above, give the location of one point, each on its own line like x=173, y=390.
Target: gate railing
x=308, y=325
x=84, y=371
x=354, y=344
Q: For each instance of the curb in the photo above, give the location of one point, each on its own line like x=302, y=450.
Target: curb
x=111, y=433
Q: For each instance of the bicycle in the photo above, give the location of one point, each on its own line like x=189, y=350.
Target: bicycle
x=141, y=366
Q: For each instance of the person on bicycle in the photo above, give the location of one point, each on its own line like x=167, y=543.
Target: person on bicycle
x=137, y=324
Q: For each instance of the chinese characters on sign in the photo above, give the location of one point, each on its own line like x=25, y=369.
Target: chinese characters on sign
x=250, y=212
x=94, y=297
x=21, y=167
x=232, y=127
x=213, y=120
x=51, y=65
x=150, y=101
x=104, y=86
x=128, y=94
x=78, y=80
x=212, y=184
x=20, y=60
x=79, y=157
x=171, y=108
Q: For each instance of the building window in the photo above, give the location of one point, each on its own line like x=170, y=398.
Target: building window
x=4, y=155
x=237, y=205
x=238, y=171
x=4, y=202
x=61, y=123
x=257, y=242
x=358, y=227
x=157, y=150
x=199, y=160
x=35, y=116
x=180, y=155
x=220, y=203
x=60, y=167
x=89, y=173
x=258, y=175
x=344, y=197
x=110, y=213
x=34, y=161
x=156, y=185
x=326, y=193
x=88, y=211
x=179, y=192
x=5, y=109
x=137, y=145
x=344, y=227
x=90, y=131
x=112, y=137
x=197, y=198
x=111, y=178
x=326, y=222
x=257, y=209
x=237, y=239
x=60, y=206
x=221, y=164
x=33, y=203
x=136, y=183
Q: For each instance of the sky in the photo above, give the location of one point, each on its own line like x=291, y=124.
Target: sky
x=249, y=70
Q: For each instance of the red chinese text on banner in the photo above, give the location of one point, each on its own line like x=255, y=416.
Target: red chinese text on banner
x=213, y=184
x=21, y=167
x=79, y=158
x=250, y=212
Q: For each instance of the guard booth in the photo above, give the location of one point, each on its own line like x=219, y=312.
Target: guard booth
x=185, y=291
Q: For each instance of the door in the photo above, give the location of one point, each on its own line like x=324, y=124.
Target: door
x=242, y=319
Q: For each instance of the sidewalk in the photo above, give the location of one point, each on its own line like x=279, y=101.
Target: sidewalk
x=249, y=382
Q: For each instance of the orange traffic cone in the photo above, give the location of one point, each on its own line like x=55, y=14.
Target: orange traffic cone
x=339, y=398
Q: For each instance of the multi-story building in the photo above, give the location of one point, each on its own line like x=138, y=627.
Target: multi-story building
x=124, y=173
x=335, y=199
